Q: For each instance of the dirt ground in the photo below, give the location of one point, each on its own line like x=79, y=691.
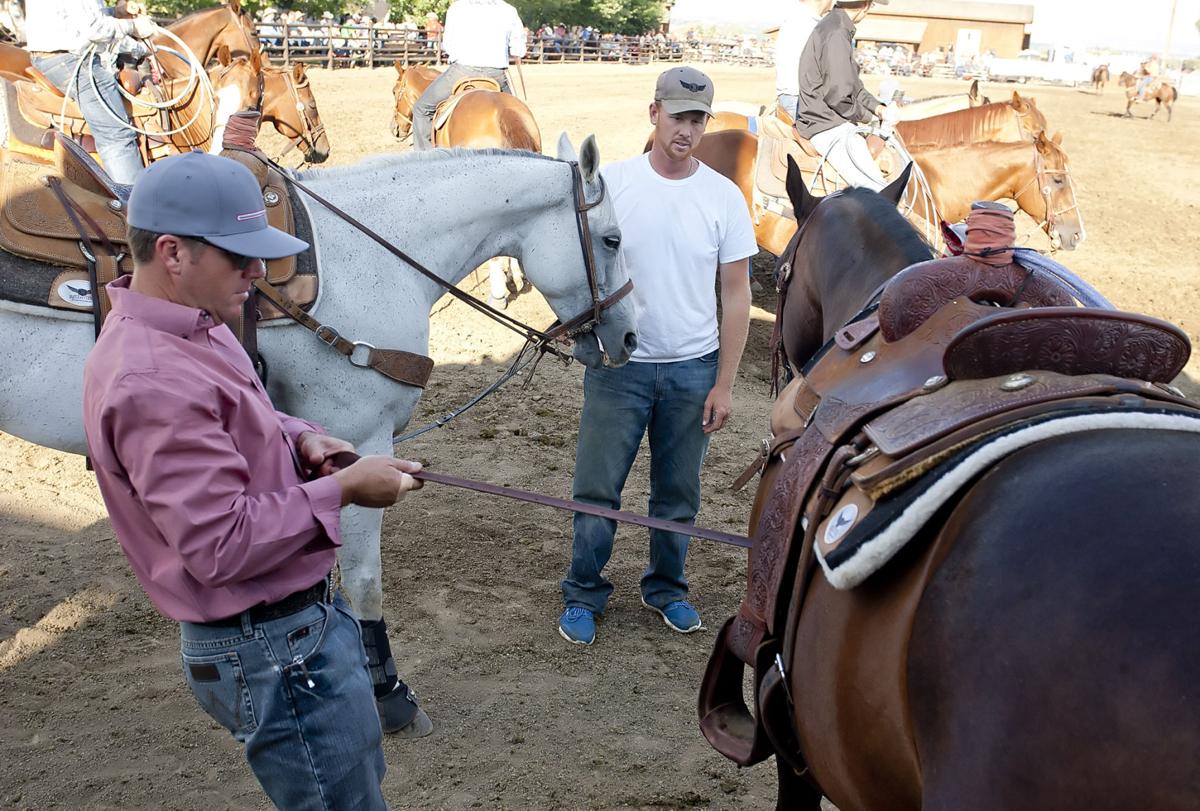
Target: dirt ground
x=93, y=709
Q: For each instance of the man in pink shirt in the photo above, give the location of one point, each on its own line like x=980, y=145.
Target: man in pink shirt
x=227, y=509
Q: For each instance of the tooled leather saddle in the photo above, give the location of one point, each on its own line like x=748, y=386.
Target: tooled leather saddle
x=955, y=352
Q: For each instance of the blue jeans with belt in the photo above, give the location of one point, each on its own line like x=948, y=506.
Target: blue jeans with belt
x=296, y=692
x=619, y=407
x=116, y=143
x=439, y=90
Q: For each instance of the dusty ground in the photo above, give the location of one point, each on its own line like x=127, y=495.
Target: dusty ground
x=93, y=710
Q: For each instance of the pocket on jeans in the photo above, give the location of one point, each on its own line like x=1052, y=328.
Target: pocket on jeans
x=219, y=685
x=711, y=357
x=306, y=640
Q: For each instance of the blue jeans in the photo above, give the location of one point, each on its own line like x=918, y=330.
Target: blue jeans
x=788, y=103
x=619, y=407
x=116, y=144
x=438, y=91
x=297, y=693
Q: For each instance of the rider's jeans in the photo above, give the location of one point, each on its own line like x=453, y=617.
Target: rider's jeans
x=116, y=143
x=619, y=407
x=296, y=691
x=847, y=152
x=439, y=90
x=789, y=103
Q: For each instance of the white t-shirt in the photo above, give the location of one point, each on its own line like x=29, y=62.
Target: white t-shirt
x=483, y=33
x=793, y=34
x=674, y=233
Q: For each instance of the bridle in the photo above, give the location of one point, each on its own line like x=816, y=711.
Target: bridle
x=540, y=340
x=1042, y=177
x=407, y=119
x=312, y=132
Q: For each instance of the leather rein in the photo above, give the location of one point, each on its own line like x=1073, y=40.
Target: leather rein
x=347, y=458
x=541, y=339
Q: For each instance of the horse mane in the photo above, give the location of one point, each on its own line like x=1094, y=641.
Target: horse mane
x=373, y=164
x=959, y=127
x=890, y=222
x=208, y=10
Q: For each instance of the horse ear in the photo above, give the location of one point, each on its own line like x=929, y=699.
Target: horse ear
x=1057, y=138
x=1040, y=141
x=974, y=93
x=566, y=152
x=256, y=60
x=298, y=71
x=803, y=203
x=589, y=159
x=223, y=56
x=235, y=6
x=895, y=190
x=399, y=66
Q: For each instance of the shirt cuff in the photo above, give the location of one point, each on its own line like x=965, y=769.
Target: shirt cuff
x=294, y=427
x=325, y=500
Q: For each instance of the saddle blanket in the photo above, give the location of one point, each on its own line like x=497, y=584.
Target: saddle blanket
x=857, y=538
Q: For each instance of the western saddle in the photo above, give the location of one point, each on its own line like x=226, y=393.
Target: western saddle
x=446, y=108
x=69, y=214
x=955, y=352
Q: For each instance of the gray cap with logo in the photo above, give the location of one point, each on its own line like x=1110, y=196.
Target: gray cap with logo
x=196, y=194
x=684, y=90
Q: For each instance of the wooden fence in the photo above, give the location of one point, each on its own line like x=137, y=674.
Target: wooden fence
x=342, y=46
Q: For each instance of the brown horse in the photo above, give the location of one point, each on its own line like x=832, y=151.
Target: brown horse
x=288, y=104
x=1100, y=78
x=1015, y=120
x=205, y=32
x=1020, y=651
x=1035, y=173
x=1164, y=95
x=481, y=119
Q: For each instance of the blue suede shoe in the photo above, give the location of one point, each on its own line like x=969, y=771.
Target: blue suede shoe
x=577, y=626
x=679, y=616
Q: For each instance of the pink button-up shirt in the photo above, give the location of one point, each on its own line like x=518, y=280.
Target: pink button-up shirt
x=197, y=468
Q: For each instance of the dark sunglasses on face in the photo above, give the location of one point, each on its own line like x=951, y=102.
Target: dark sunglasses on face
x=240, y=263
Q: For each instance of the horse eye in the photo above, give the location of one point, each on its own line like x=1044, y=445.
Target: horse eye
x=612, y=242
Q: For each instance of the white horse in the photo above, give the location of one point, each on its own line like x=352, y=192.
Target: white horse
x=451, y=210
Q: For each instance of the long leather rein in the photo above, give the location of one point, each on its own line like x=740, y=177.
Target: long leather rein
x=347, y=458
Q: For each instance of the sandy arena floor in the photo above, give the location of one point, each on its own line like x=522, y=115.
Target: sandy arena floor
x=93, y=709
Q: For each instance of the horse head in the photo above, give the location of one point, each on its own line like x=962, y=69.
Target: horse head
x=411, y=82
x=289, y=105
x=237, y=84
x=207, y=30
x=1049, y=194
x=612, y=339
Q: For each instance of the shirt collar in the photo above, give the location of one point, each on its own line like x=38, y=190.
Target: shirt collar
x=156, y=313
x=843, y=19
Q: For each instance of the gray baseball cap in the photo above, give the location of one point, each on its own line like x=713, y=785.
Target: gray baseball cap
x=196, y=194
x=683, y=90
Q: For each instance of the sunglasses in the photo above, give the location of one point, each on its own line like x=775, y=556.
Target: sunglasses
x=241, y=263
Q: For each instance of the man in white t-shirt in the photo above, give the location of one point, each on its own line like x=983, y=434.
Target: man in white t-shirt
x=682, y=226
x=789, y=44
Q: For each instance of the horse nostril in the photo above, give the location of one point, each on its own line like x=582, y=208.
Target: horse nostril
x=630, y=342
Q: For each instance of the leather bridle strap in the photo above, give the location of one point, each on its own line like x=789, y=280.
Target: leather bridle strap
x=395, y=364
x=346, y=458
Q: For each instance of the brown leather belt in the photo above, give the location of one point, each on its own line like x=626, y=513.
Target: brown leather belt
x=318, y=592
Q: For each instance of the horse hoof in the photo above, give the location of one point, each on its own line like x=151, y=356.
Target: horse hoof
x=418, y=727
x=399, y=714
x=498, y=303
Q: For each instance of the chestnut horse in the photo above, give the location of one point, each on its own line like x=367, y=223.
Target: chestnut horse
x=1100, y=78
x=1034, y=173
x=1163, y=96
x=1022, y=650
x=205, y=32
x=482, y=119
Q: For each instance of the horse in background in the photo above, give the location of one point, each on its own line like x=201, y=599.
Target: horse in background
x=1019, y=119
x=1100, y=78
x=1160, y=91
x=1018, y=620
x=205, y=32
x=480, y=119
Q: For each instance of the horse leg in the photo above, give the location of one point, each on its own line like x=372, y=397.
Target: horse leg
x=498, y=283
x=517, y=282
x=361, y=577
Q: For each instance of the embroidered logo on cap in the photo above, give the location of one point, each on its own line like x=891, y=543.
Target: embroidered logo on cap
x=260, y=213
x=695, y=88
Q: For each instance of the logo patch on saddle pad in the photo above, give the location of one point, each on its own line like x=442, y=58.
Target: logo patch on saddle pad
x=840, y=524
x=75, y=293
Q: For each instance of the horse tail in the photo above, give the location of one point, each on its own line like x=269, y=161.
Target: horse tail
x=517, y=131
